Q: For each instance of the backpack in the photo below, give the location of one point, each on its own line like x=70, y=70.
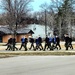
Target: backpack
x=50, y=39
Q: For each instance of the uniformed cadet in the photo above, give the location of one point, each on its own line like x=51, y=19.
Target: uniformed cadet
x=9, y=44
x=14, y=44
x=22, y=43
x=40, y=42
x=66, y=38
x=58, y=42
x=46, y=43
x=37, y=44
x=54, y=44
x=31, y=40
x=26, y=41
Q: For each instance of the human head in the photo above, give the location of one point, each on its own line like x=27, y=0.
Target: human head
x=30, y=36
x=56, y=36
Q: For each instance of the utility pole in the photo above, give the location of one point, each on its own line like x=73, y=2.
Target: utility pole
x=14, y=39
x=45, y=22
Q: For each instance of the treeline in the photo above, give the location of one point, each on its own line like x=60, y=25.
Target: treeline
x=59, y=15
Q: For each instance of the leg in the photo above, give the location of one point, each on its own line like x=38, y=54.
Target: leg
x=71, y=46
x=41, y=46
x=25, y=47
x=45, y=46
x=66, y=45
x=33, y=45
x=59, y=46
x=21, y=46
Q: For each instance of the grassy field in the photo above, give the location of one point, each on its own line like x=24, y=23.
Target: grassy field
x=35, y=53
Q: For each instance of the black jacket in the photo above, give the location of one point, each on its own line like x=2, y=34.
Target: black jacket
x=31, y=40
x=46, y=40
x=40, y=40
x=66, y=39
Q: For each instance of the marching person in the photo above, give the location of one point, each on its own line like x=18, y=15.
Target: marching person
x=66, y=38
x=31, y=40
x=58, y=42
x=54, y=43
x=40, y=42
x=37, y=44
x=50, y=42
x=22, y=42
x=14, y=43
x=46, y=43
x=26, y=41
x=9, y=44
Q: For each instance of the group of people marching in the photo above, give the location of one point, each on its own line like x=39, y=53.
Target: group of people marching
x=51, y=43
x=38, y=42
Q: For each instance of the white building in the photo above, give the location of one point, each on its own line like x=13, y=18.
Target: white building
x=40, y=30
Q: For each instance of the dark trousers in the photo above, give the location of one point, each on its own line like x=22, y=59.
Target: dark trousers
x=32, y=45
x=41, y=46
x=14, y=47
x=22, y=45
x=9, y=47
x=25, y=46
x=70, y=45
x=66, y=45
x=46, y=46
x=57, y=44
x=37, y=47
x=53, y=46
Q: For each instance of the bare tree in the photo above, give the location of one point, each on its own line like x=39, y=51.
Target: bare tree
x=59, y=15
x=16, y=10
x=67, y=14
x=63, y=10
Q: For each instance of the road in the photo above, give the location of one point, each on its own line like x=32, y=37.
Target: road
x=38, y=65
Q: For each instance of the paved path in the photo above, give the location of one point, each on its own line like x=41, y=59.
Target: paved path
x=38, y=65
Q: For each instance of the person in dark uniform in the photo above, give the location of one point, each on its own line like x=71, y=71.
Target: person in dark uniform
x=46, y=43
x=53, y=46
x=22, y=43
x=37, y=44
x=70, y=43
x=9, y=44
x=58, y=42
x=50, y=42
x=66, y=38
x=14, y=44
x=40, y=42
x=26, y=41
x=31, y=40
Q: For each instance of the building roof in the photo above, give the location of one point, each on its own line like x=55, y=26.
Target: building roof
x=6, y=30
x=24, y=31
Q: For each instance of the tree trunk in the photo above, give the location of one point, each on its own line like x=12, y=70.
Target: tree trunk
x=59, y=19
x=69, y=27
